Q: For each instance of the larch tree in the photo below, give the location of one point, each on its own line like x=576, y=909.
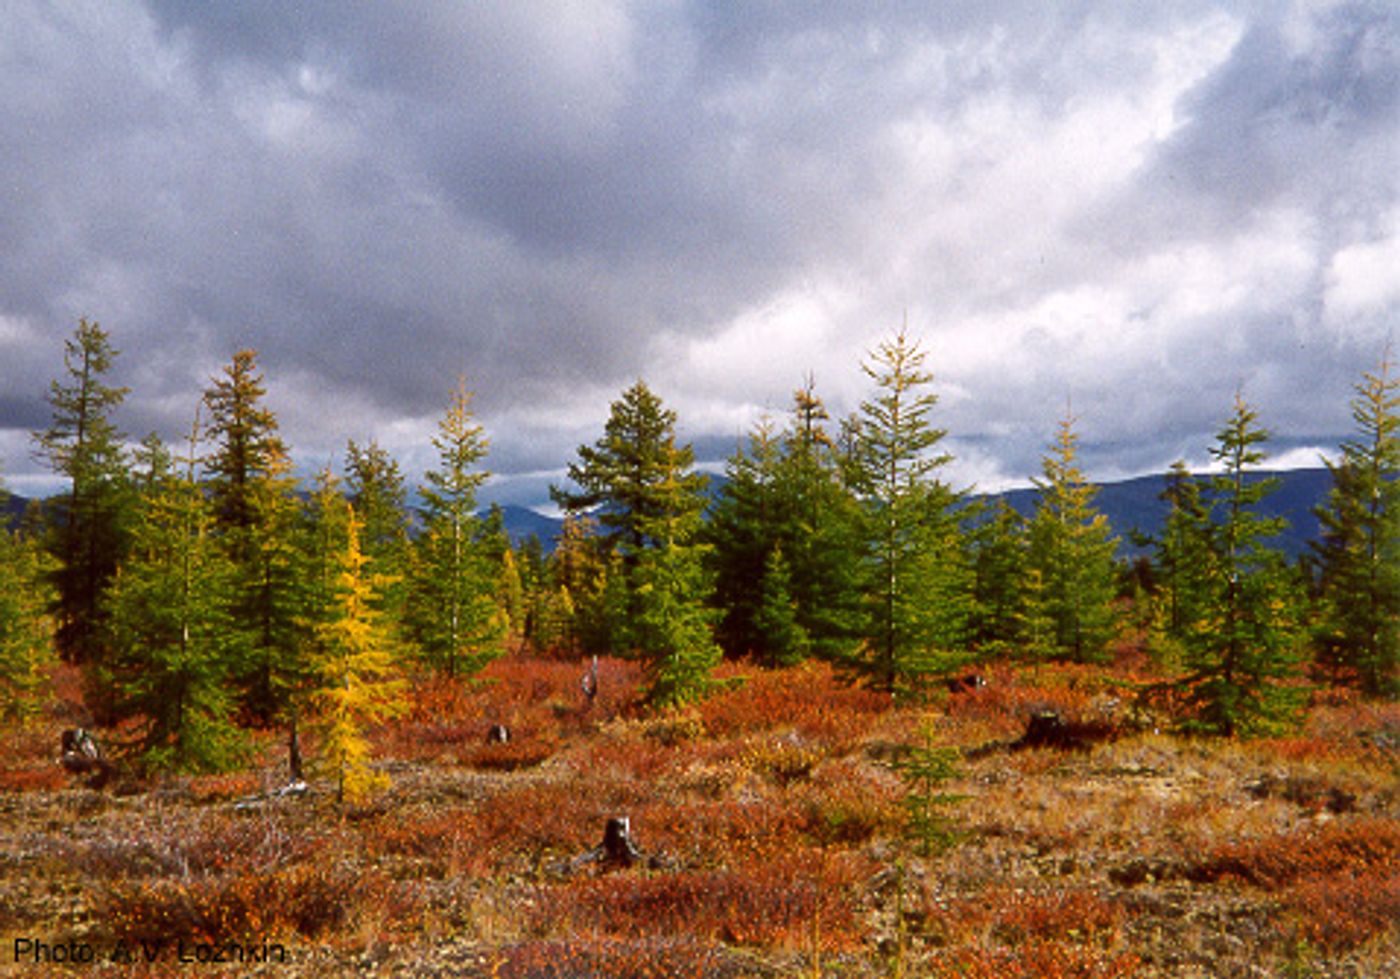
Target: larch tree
x=573, y=616
x=674, y=627
x=822, y=548
x=1245, y=648
x=452, y=612
x=88, y=540
x=173, y=638
x=256, y=510
x=1183, y=559
x=916, y=566
x=1360, y=547
x=356, y=679
x=1000, y=594
x=636, y=482
x=744, y=528
x=375, y=487
x=1071, y=548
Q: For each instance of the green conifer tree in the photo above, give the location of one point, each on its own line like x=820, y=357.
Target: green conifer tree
x=674, y=627
x=1071, y=547
x=88, y=540
x=745, y=526
x=1246, y=645
x=256, y=511
x=375, y=487
x=1360, y=545
x=822, y=543
x=171, y=633
x=641, y=484
x=1183, y=560
x=782, y=641
x=452, y=612
x=1000, y=592
x=917, y=570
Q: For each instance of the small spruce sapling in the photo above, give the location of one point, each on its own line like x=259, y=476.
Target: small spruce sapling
x=926, y=769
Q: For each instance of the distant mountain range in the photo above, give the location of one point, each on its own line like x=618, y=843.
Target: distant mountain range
x=1135, y=505
x=1132, y=504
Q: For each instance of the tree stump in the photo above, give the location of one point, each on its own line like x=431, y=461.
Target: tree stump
x=80, y=754
x=618, y=849
x=1045, y=728
x=498, y=734
x=589, y=684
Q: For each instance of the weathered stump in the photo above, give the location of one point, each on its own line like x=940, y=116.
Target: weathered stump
x=1044, y=729
x=80, y=754
x=617, y=851
x=589, y=684
x=618, y=848
x=498, y=734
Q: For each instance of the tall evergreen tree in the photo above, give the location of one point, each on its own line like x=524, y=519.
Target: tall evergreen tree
x=784, y=493
x=256, y=510
x=822, y=546
x=173, y=639
x=917, y=568
x=623, y=475
x=1183, y=556
x=1071, y=548
x=1360, y=546
x=674, y=627
x=452, y=611
x=782, y=639
x=999, y=591
x=1245, y=648
x=82, y=443
x=639, y=482
x=375, y=487
x=745, y=526
x=248, y=449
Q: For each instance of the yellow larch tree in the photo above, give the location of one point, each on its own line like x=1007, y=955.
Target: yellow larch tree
x=356, y=674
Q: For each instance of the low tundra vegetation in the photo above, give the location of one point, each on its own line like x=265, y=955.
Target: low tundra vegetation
x=772, y=837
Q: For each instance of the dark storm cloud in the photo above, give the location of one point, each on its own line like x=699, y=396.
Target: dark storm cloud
x=1135, y=207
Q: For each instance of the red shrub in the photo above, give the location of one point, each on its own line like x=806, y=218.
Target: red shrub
x=38, y=779
x=809, y=699
x=766, y=904
x=216, y=788
x=648, y=958
x=1037, y=960
x=1344, y=912
x=250, y=906
x=1359, y=847
x=1015, y=918
x=522, y=751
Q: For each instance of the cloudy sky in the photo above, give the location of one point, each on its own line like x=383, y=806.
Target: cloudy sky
x=1135, y=208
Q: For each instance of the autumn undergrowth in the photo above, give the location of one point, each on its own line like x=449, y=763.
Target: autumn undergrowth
x=772, y=823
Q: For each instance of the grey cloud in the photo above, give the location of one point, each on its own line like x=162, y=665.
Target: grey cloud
x=379, y=197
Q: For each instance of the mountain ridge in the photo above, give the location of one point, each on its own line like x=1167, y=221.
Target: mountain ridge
x=1131, y=505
